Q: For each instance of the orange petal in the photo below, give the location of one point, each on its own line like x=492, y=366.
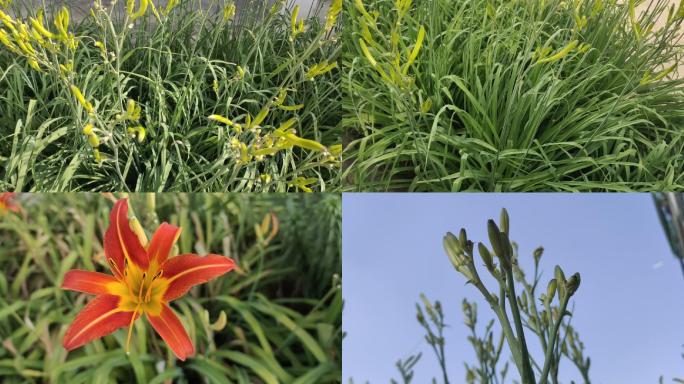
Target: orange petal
x=185, y=271
x=162, y=242
x=169, y=327
x=120, y=242
x=99, y=318
x=89, y=282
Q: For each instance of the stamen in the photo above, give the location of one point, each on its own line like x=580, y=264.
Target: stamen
x=115, y=268
x=137, y=307
x=130, y=330
x=149, y=287
x=142, y=285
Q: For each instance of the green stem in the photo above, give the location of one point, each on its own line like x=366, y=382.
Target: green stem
x=527, y=374
x=552, y=341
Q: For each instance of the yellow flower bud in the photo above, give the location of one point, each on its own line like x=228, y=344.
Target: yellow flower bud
x=138, y=230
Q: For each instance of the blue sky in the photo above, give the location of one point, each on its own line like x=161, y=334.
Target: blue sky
x=629, y=309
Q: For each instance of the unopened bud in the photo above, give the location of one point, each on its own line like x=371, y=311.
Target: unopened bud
x=486, y=256
x=138, y=230
x=551, y=289
x=560, y=280
x=463, y=238
x=523, y=301
x=453, y=249
x=504, y=221
x=495, y=239
x=538, y=254
x=560, y=276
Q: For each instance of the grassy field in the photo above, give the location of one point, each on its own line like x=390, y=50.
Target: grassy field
x=277, y=320
x=489, y=95
x=184, y=97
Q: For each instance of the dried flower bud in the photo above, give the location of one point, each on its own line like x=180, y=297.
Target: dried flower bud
x=469, y=247
x=486, y=256
x=572, y=284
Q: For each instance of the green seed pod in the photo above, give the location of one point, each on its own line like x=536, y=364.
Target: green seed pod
x=572, y=284
x=486, y=256
x=551, y=289
x=504, y=221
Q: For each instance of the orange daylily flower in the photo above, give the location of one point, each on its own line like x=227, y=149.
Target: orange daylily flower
x=145, y=281
x=6, y=203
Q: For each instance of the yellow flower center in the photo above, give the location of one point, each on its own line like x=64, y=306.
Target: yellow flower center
x=140, y=290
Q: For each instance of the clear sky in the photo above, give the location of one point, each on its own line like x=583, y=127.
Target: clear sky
x=629, y=309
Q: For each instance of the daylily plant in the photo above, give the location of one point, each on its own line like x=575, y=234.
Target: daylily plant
x=144, y=280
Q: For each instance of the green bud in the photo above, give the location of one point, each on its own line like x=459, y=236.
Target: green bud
x=420, y=317
x=572, y=284
x=453, y=249
x=486, y=256
x=560, y=280
x=538, y=254
x=463, y=239
x=560, y=276
x=551, y=289
x=504, y=221
x=507, y=248
x=523, y=300
x=438, y=307
x=500, y=248
x=493, y=231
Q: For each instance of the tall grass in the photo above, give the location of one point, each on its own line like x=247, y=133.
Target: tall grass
x=280, y=327
x=181, y=66
x=513, y=96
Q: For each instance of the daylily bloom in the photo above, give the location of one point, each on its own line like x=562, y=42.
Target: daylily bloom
x=145, y=281
x=6, y=203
